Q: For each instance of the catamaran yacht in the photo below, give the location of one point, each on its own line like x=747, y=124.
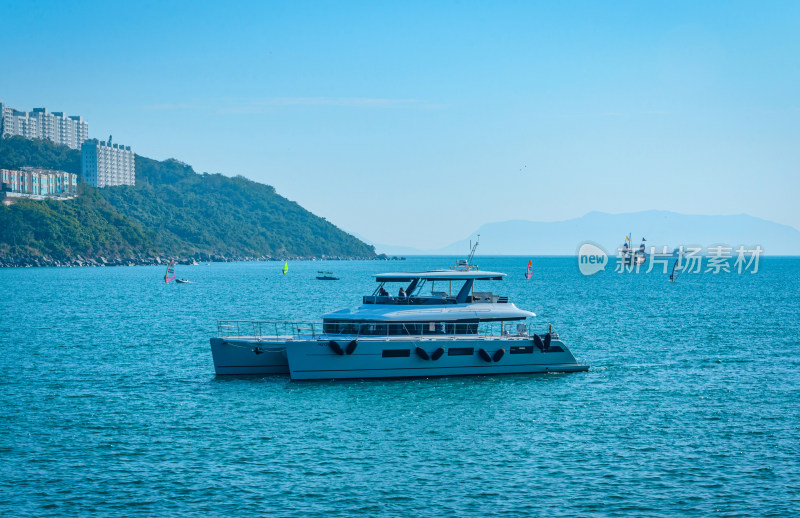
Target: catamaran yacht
x=428, y=329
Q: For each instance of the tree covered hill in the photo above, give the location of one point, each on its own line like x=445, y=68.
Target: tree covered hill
x=16, y=152
x=171, y=211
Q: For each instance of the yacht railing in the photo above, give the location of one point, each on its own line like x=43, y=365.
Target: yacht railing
x=261, y=329
x=284, y=329
x=440, y=298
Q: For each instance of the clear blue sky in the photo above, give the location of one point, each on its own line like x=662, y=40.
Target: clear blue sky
x=414, y=123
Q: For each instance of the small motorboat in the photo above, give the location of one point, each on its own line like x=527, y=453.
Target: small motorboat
x=327, y=278
x=182, y=281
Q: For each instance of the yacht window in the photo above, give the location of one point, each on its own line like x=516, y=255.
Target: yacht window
x=400, y=328
x=522, y=349
x=460, y=351
x=331, y=328
x=470, y=328
x=396, y=353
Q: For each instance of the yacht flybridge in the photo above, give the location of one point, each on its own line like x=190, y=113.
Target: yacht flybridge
x=436, y=324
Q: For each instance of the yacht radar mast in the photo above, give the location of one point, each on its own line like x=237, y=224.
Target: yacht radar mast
x=467, y=265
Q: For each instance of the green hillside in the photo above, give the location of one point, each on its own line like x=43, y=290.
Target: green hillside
x=16, y=152
x=63, y=230
x=172, y=211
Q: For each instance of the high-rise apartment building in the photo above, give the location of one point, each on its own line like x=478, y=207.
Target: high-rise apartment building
x=41, y=124
x=105, y=164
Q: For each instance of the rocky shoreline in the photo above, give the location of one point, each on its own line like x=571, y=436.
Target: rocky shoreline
x=143, y=260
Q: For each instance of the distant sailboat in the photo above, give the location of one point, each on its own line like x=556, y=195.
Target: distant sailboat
x=170, y=275
x=529, y=271
x=629, y=257
x=285, y=267
x=676, y=270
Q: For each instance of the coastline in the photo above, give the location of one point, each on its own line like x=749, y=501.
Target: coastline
x=146, y=260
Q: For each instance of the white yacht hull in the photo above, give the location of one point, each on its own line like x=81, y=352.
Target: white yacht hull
x=249, y=356
x=315, y=359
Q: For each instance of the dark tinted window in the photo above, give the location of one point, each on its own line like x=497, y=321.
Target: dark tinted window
x=460, y=351
x=396, y=353
x=526, y=349
x=408, y=328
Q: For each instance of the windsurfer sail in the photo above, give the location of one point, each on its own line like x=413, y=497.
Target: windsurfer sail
x=529, y=271
x=285, y=267
x=676, y=270
x=170, y=275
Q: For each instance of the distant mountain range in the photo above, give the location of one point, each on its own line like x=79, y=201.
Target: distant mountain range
x=519, y=237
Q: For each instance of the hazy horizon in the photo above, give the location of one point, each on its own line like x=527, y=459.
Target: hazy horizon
x=661, y=228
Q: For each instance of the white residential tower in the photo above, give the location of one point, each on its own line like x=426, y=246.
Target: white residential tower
x=105, y=164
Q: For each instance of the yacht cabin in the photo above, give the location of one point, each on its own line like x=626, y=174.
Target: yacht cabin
x=436, y=302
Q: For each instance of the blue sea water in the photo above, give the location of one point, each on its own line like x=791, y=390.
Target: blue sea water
x=109, y=403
